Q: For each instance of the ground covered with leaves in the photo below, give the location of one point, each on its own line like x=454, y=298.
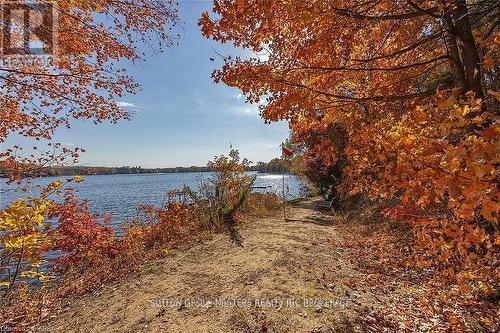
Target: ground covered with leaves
x=420, y=300
x=315, y=272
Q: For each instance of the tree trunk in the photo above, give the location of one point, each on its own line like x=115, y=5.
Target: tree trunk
x=456, y=64
x=462, y=49
x=469, y=51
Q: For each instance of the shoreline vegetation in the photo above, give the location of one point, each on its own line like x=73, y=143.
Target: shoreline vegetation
x=275, y=165
x=89, y=253
x=318, y=271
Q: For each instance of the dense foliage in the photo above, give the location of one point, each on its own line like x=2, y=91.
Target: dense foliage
x=399, y=98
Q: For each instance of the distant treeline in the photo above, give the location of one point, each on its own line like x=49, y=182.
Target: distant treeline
x=276, y=165
x=273, y=166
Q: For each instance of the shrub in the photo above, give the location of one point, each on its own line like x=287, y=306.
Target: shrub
x=220, y=198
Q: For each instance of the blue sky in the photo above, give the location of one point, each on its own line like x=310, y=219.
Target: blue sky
x=181, y=117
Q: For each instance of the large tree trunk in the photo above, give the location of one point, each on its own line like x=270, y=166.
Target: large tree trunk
x=457, y=69
x=469, y=50
x=463, y=50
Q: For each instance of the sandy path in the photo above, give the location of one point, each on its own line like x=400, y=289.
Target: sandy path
x=280, y=265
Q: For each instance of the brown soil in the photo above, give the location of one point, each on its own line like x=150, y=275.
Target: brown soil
x=281, y=269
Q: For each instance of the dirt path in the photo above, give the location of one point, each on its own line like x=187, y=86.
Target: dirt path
x=288, y=277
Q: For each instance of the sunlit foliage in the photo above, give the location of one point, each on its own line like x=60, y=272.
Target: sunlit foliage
x=413, y=84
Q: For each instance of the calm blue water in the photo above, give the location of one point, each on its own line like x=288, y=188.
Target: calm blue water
x=120, y=195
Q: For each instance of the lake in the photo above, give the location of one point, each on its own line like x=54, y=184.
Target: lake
x=120, y=195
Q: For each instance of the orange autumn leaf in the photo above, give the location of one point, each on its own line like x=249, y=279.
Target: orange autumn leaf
x=384, y=101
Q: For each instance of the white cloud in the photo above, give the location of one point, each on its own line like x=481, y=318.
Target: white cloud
x=126, y=105
x=239, y=96
x=248, y=109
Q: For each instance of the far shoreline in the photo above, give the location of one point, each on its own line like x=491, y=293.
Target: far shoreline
x=74, y=172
